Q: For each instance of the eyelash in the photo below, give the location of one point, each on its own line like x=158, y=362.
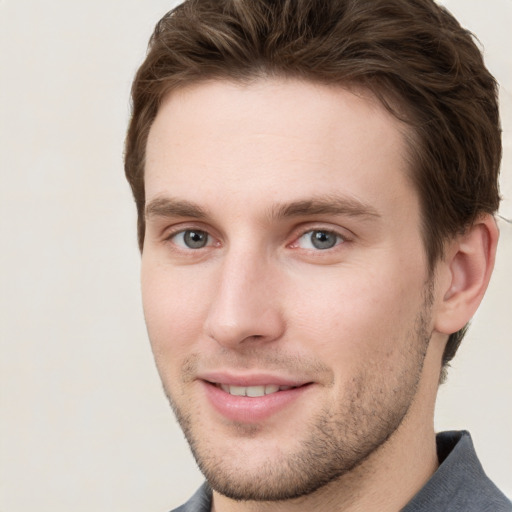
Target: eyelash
x=339, y=239
x=189, y=230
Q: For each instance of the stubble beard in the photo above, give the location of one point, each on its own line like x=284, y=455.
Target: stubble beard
x=338, y=441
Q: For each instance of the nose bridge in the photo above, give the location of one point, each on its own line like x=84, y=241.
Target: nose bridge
x=245, y=304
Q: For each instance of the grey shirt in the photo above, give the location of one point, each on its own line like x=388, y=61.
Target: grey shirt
x=458, y=485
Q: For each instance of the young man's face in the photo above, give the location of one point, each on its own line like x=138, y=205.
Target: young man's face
x=283, y=260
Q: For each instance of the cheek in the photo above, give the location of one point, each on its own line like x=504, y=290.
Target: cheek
x=355, y=314
x=174, y=310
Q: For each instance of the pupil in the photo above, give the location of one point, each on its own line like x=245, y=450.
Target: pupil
x=323, y=239
x=195, y=239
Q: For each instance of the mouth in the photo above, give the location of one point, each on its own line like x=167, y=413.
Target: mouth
x=252, y=399
x=253, y=391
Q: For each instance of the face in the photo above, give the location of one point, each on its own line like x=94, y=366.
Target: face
x=284, y=280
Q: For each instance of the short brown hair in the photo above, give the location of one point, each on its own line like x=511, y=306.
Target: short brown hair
x=412, y=54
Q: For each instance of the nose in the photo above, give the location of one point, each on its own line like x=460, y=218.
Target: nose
x=245, y=306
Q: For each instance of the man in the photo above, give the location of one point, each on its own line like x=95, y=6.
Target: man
x=315, y=182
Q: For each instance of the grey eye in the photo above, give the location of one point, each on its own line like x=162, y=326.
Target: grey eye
x=192, y=239
x=323, y=239
x=319, y=240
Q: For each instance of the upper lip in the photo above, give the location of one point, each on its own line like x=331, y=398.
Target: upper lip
x=253, y=379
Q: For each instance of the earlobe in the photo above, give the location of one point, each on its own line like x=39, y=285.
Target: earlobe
x=468, y=265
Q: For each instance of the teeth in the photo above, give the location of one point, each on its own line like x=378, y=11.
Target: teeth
x=237, y=391
x=253, y=391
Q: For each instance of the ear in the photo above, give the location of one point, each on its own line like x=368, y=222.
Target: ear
x=465, y=273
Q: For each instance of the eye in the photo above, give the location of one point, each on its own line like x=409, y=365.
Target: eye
x=319, y=239
x=191, y=239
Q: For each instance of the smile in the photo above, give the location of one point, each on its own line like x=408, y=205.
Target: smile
x=253, y=391
x=252, y=402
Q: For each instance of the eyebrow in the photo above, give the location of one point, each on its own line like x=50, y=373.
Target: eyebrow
x=326, y=205
x=169, y=207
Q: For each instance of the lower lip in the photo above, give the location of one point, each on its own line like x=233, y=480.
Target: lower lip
x=245, y=409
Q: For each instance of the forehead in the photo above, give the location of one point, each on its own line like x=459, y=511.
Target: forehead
x=275, y=138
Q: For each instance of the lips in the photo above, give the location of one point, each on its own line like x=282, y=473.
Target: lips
x=251, y=399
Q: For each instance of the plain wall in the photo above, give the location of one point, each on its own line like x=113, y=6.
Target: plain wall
x=84, y=424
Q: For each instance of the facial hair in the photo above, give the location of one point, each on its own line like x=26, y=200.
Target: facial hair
x=338, y=438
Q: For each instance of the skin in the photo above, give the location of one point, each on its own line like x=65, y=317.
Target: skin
x=254, y=170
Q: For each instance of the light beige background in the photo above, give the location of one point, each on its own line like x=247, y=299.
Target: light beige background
x=84, y=424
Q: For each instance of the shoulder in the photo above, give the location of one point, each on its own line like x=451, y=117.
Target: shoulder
x=460, y=483
x=201, y=501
